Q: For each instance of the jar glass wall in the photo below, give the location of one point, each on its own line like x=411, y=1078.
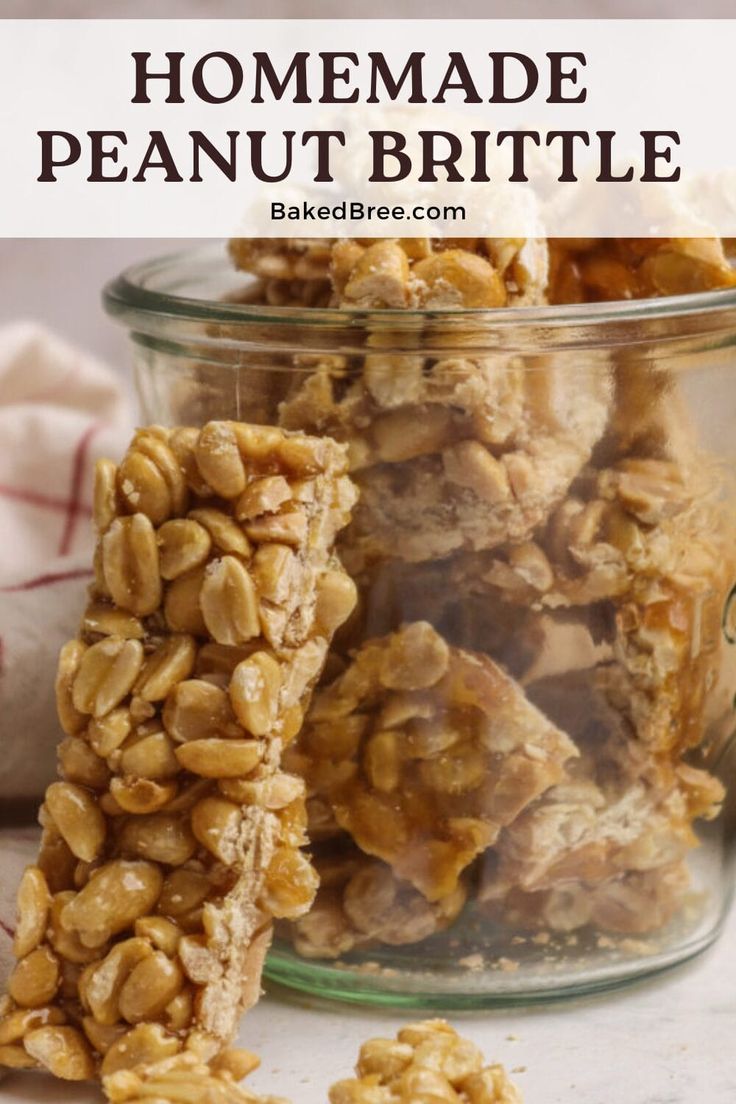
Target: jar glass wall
x=518, y=759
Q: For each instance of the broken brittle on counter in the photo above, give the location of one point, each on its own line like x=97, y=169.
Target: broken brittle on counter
x=426, y=1061
x=423, y=752
x=174, y=838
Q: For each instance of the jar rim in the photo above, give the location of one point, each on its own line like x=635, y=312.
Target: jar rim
x=151, y=295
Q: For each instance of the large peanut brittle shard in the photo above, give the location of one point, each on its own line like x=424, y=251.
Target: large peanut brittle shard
x=424, y=752
x=617, y=828
x=174, y=838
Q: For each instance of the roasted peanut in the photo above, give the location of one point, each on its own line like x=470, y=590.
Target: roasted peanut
x=144, y=1045
x=224, y=531
x=216, y=758
x=63, y=1051
x=150, y=987
x=78, y=818
x=142, y=795
x=112, y=900
x=183, y=545
x=172, y=661
x=254, y=693
x=196, y=709
x=106, y=675
x=216, y=824
x=102, y=619
x=33, y=901
x=72, y=720
x=219, y=460
x=104, y=981
x=150, y=755
x=228, y=602
x=131, y=566
x=35, y=979
x=159, y=838
x=181, y=603
x=104, y=505
x=79, y=763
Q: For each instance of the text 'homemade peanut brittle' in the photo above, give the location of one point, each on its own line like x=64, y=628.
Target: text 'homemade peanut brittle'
x=173, y=838
x=423, y=752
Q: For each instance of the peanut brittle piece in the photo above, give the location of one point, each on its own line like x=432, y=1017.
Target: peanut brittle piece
x=472, y=495
x=431, y=273
x=423, y=752
x=633, y=903
x=426, y=1061
x=638, y=554
x=361, y=903
x=283, y=258
x=173, y=837
x=592, y=269
x=620, y=810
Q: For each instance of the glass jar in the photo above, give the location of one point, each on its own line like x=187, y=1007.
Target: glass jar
x=519, y=756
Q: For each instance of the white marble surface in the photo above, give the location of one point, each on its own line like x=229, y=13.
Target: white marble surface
x=671, y=1040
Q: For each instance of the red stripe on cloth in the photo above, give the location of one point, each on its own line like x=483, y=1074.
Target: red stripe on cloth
x=75, y=506
x=7, y=929
x=33, y=498
x=48, y=580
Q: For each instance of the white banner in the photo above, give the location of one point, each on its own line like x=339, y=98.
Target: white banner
x=116, y=128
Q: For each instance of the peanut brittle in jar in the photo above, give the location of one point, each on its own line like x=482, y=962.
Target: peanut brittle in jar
x=593, y=269
x=622, y=813
x=472, y=494
x=424, y=752
x=417, y=273
x=632, y=903
x=173, y=837
x=361, y=903
x=644, y=559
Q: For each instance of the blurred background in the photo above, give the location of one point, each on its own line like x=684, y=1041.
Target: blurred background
x=59, y=281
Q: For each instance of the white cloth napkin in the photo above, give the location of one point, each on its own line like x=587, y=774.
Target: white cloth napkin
x=60, y=410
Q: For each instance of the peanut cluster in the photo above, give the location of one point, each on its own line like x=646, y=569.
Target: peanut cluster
x=591, y=269
x=426, y=1061
x=173, y=838
x=419, y=273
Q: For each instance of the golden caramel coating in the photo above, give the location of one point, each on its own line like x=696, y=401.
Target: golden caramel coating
x=423, y=752
x=593, y=269
x=173, y=839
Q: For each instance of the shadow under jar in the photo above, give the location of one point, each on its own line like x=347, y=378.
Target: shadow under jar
x=518, y=759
